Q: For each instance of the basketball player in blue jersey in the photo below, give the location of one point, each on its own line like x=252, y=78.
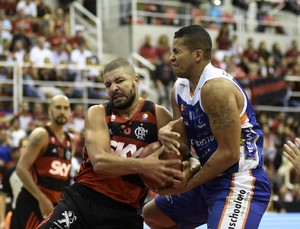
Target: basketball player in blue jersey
x=292, y=153
x=231, y=190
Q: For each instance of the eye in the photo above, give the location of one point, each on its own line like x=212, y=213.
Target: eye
x=119, y=80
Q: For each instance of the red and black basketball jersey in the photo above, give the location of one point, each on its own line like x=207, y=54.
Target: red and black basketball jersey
x=128, y=139
x=51, y=171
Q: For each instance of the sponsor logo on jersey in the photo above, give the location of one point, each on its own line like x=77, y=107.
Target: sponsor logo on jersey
x=239, y=209
x=69, y=218
x=129, y=150
x=60, y=168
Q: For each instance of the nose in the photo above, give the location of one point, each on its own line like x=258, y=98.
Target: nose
x=171, y=58
x=114, y=87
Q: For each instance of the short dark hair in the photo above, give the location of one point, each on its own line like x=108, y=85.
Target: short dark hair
x=119, y=63
x=196, y=37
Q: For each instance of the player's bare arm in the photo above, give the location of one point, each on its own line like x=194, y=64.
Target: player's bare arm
x=97, y=139
x=223, y=112
x=38, y=141
x=222, y=101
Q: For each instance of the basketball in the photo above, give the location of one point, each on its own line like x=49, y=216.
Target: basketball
x=151, y=148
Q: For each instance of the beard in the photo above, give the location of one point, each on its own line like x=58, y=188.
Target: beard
x=128, y=101
x=60, y=120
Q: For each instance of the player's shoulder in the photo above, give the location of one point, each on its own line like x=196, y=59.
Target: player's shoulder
x=96, y=109
x=39, y=135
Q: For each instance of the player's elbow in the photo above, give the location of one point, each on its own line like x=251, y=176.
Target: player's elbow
x=19, y=170
x=235, y=157
x=232, y=157
x=100, y=165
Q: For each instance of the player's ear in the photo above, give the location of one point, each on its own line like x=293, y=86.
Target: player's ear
x=198, y=55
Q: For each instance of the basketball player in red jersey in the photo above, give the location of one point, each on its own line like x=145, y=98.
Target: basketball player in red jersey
x=44, y=168
x=108, y=190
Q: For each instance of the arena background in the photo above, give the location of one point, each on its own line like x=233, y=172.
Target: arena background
x=112, y=28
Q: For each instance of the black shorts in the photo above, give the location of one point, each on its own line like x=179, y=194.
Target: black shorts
x=27, y=213
x=82, y=207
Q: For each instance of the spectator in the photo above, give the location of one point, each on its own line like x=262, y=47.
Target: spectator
x=25, y=22
x=19, y=52
x=277, y=54
x=292, y=53
x=9, y=7
x=5, y=151
x=164, y=79
x=223, y=40
x=6, y=22
x=40, y=53
x=78, y=38
x=4, y=35
x=28, y=6
x=263, y=51
x=57, y=38
x=80, y=54
x=15, y=132
x=19, y=34
x=60, y=55
x=25, y=116
x=147, y=50
x=236, y=48
x=60, y=22
x=76, y=121
x=250, y=53
x=162, y=47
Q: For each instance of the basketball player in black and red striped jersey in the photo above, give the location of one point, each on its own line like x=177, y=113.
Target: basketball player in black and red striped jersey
x=108, y=190
x=44, y=167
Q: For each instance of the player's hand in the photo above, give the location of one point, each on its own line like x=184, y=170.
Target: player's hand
x=292, y=153
x=180, y=183
x=168, y=137
x=162, y=171
x=46, y=206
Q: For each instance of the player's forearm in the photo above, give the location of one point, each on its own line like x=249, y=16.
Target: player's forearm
x=216, y=165
x=29, y=183
x=110, y=165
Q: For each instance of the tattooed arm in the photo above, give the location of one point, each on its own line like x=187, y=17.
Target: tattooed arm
x=38, y=141
x=222, y=101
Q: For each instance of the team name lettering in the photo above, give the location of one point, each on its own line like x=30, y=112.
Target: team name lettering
x=202, y=142
x=60, y=168
x=129, y=150
x=238, y=202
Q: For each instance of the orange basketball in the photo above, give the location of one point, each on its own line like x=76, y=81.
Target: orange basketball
x=148, y=150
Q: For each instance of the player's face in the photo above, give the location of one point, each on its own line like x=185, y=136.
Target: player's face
x=182, y=59
x=121, y=88
x=60, y=111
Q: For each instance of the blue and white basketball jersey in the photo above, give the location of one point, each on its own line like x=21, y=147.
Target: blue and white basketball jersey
x=198, y=128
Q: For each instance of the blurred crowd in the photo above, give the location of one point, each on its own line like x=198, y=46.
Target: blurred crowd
x=31, y=33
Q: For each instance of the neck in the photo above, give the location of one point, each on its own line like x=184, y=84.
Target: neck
x=129, y=112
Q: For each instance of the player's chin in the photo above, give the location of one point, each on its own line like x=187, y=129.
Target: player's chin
x=119, y=102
